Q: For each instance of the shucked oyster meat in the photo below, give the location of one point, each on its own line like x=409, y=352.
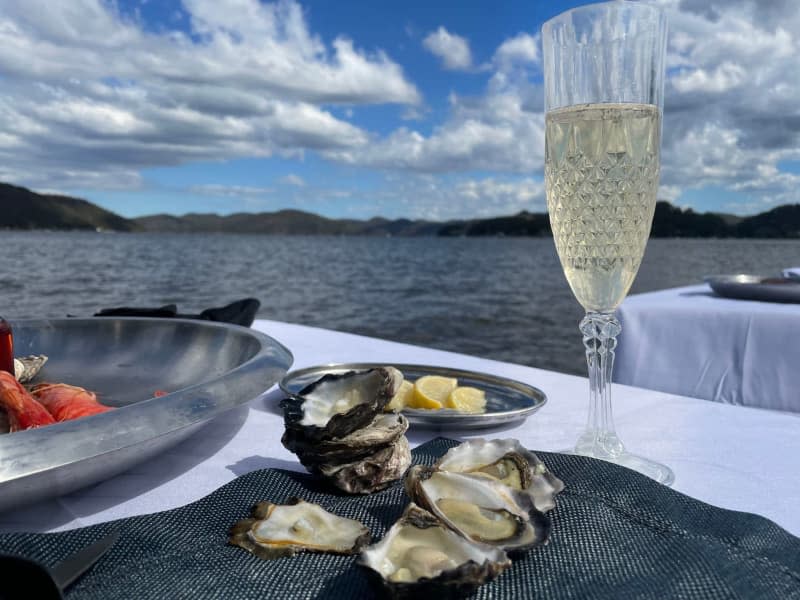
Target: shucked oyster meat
x=337, y=405
x=480, y=508
x=507, y=461
x=419, y=557
x=278, y=530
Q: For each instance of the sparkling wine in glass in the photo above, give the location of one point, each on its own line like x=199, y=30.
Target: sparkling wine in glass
x=604, y=82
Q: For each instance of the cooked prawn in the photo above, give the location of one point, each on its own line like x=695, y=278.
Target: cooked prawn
x=65, y=402
x=23, y=410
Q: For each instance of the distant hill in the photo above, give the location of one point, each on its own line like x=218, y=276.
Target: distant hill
x=25, y=209
x=671, y=221
x=284, y=222
x=780, y=222
x=522, y=224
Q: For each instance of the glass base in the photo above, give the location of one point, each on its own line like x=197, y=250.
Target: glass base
x=654, y=470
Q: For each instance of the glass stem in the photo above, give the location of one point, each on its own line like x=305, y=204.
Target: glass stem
x=600, y=331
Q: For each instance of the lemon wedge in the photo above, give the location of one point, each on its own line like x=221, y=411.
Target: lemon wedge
x=431, y=391
x=467, y=399
x=402, y=398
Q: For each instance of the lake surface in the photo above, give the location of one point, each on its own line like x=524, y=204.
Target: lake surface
x=501, y=298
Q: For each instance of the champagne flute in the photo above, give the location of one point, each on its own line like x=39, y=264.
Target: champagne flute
x=604, y=88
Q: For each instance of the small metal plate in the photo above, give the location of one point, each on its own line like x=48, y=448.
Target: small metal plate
x=506, y=400
x=756, y=287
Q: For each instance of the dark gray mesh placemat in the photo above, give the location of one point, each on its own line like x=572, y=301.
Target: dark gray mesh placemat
x=616, y=534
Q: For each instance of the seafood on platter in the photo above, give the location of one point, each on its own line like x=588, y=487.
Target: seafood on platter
x=66, y=402
x=421, y=557
x=22, y=410
x=339, y=431
x=26, y=407
x=278, y=530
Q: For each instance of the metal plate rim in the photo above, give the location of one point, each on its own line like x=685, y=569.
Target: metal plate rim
x=746, y=286
x=444, y=417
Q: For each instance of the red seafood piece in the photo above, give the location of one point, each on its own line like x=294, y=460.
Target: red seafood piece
x=22, y=409
x=67, y=402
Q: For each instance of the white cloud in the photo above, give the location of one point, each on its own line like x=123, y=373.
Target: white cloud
x=501, y=130
x=522, y=48
x=669, y=192
x=495, y=133
x=722, y=79
x=731, y=113
x=438, y=198
x=89, y=96
x=292, y=179
x=229, y=191
x=453, y=50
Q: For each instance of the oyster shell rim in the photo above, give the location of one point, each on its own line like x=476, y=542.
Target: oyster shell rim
x=536, y=468
x=456, y=582
x=341, y=424
x=373, y=473
x=343, y=450
x=239, y=533
x=538, y=523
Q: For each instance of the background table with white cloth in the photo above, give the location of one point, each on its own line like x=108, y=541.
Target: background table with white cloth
x=691, y=342
x=732, y=457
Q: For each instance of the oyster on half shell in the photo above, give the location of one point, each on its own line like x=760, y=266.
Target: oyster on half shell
x=278, y=530
x=419, y=557
x=509, y=462
x=27, y=367
x=479, y=508
x=337, y=405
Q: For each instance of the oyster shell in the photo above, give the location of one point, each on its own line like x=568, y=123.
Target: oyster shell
x=383, y=431
x=278, y=530
x=27, y=367
x=479, y=508
x=506, y=461
x=419, y=557
x=337, y=405
x=371, y=473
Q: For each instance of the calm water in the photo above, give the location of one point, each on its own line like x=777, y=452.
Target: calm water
x=501, y=298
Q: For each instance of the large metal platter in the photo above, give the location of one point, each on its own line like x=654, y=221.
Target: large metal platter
x=506, y=400
x=756, y=287
x=206, y=367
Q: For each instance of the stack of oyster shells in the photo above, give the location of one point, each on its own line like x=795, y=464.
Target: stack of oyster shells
x=338, y=429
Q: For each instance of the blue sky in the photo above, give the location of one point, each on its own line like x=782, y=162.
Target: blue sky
x=358, y=108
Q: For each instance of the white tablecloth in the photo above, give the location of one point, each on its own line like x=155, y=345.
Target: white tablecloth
x=690, y=342
x=733, y=457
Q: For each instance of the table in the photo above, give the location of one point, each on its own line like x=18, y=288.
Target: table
x=733, y=457
x=691, y=342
